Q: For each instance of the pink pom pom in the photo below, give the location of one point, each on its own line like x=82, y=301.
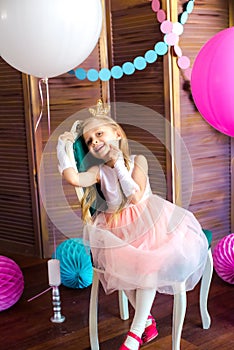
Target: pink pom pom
x=223, y=255
x=11, y=283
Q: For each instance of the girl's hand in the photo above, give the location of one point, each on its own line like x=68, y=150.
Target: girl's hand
x=114, y=154
x=67, y=136
x=64, y=161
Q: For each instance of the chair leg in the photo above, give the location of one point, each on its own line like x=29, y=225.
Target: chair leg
x=204, y=291
x=179, y=309
x=93, y=313
x=123, y=306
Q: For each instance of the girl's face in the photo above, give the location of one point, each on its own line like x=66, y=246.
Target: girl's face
x=98, y=138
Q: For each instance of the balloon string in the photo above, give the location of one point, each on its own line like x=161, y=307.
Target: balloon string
x=42, y=103
x=48, y=104
x=45, y=81
x=49, y=131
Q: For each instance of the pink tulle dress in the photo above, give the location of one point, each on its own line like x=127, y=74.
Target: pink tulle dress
x=151, y=244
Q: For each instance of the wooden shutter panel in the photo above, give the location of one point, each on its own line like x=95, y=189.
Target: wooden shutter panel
x=134, y=31
x=210, y=150
x=18, y=229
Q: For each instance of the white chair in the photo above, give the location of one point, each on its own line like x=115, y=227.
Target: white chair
x=180, y=299
x=179, y=306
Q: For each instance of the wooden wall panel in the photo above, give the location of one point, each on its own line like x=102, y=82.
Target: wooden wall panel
x=130, y=28
x=132, y=23
x=210, y=150
x=135, y=30
x=18, y=228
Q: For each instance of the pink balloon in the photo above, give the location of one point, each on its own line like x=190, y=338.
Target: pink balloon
x=212, y=81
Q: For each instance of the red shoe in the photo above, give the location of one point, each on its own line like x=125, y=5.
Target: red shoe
x=130, y=334
x=150, y=332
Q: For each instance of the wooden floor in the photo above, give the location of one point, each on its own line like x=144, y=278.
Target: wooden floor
x=27, y=325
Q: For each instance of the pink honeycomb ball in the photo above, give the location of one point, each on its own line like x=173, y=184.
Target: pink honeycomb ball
x=11, y=283
x=223, y=256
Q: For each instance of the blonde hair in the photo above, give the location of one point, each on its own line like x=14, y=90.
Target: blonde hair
x=90, y=194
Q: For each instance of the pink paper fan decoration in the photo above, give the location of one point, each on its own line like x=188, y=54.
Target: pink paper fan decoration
x=223, y=256
x=11, y=283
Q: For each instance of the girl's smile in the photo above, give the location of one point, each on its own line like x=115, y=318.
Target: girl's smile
x=99, y=149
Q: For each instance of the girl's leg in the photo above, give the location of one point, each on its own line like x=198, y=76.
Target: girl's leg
x=144, y=301
x=131, y=295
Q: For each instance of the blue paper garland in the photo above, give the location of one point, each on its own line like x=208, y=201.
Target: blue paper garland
x=139, y=63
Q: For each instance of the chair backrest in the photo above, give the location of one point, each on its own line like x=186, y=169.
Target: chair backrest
x=82, y=160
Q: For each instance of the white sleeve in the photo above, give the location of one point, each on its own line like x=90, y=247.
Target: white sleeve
x=64, y=161
x=128, y=185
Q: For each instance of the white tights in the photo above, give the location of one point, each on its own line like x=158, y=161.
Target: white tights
x=141, y=300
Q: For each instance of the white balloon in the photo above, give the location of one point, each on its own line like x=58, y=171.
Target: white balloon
x=46, y=38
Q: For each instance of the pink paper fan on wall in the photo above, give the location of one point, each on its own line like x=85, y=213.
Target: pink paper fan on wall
x=11, y=283
x=223, y=255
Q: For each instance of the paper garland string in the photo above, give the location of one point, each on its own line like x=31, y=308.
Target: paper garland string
x=171, y=31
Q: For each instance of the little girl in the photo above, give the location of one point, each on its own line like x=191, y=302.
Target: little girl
x=142, y=242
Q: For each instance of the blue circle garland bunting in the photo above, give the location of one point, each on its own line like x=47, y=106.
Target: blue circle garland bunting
x=105, y=74
x=151, y=56
x=184, y=17
x=128, y=68
x=161, y=48
x=169, y=29
x=92, y=74
x=190, y=6
x=80, y=73
x=139, y=63
x=116, y=72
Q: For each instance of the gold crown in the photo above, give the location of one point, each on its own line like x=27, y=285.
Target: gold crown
x=100, y=109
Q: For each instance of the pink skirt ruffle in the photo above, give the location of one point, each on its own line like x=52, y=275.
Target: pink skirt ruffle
x=153, y=244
